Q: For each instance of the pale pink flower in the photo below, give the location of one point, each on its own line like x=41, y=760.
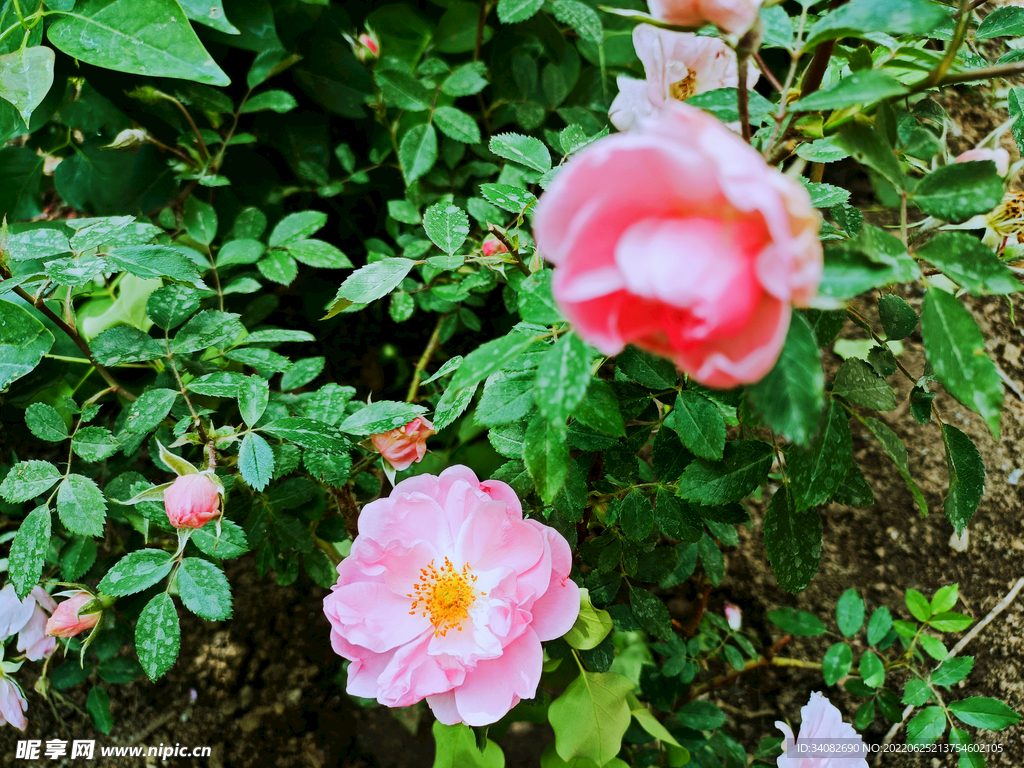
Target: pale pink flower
x=68, y=621
x=27, y=619
x=12, y=704
x=819, y=720
x=678, y=65
x=680, y=239
x=733, y=16
x=406, y=445
x=447, y=596
x=192, y=501
x=999, y=156
x=733, y=615
x=492, y=247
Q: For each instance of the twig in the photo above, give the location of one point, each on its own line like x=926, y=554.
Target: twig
x=816, y=69
x=424, y=361
x=767, y=72
x=513, y=249
x=962, y=23
x=1001, y=606
x=769, y=659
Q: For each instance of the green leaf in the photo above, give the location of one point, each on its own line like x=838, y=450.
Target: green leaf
x=865, y=86
x=966, y=477
x=536, y=304
x=968, y=757
x=153, y=38
x=651, y=613
x=273, y=101
x=857, y=382
x=209, y=13
x=872, y=671
x=793, y=542
x=867, y=146
x=591, y=716
x=97, y=704
x=278, y=267
x=374, y=280
x=701, y=716
x=146, y=413
x=794, y=622
x=893, y=17
x=507, y=398
x=94, y=443
x=952, y=671
x=27, y=480
x=984, y=712
x=255, y=461
x=1002, y=22
x=969, y=263
x=950, y=621
x=918, y=605
x=927, y=726
x=955, y=348
x=945, y=598
x=546, y=455
x=591, y=627
x=916, y=693
x=562, y=378
x=204, y=589
x=447, y=226
x=23, y=342
x=402, y=90
x=77, y=558
x=253, y=395
x=382, y=416
x=456, y=747
x=580, y=17
x=514, y=11
x=136, y=571
x=933, y=647
x=712, y=560
x=28, y=551
x=836, y=663
x=699, y=424
x=897, y=451
x=818, y=471
x=598, y=409
x=200, y=220
x=81, y=506
x=744, y=465
x=490, y=358
x=309, y=433
x=457, y=125
x=317, y=253
x=418, y=151
x=158, y=636
x=825, y=195
x=25, y=78
x=850, y=613
x=525, y=150
x=36, y=244
x=507, y=197
x=789, y=397
x=879, y=625
x=301, y=373
x=636, y=516
x=468, y=79
x=231, y=542
x=207, y=329
x=152, y=262
x=172, y=305
x=297, y=226
x=124, y=344
x=899, y=319
x=958, y=191
x=644, y=368
x=45, y=423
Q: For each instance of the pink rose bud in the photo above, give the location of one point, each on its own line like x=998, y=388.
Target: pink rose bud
x=999, y=156
x=734, y=16
x=493, y=246
x=678, y=238
x=192, y=501
x=12, y=704
x=678, y=65
x=733, y=615
x=406, y=445
x=368, y=48
x=66, y=620
x=820, y=720
x=466, y=593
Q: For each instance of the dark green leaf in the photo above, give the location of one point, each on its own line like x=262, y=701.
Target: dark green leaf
x=793, y=542
x=959, y=191
x=969, y=263
x=744, y=465
x=158, y=636
x=818, y=471
x=899, y=319
x=858, y=383
x=966, y=477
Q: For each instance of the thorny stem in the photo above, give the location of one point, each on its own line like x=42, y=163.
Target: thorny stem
x=424, y=361
x=513, y=249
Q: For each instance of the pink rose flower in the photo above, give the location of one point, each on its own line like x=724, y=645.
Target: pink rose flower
x=67, y=621
x=678, y=65
x=447, y=596
x=733, y=615
x=192, y=501
x=406, y=445
x=27, y=619
x=734, y=16
x=680, y=239
x=999, y=156
x=12, y=704
x=819, y=720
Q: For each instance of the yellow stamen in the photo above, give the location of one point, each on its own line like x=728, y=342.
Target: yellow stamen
x=445, y=594
x=685, y=88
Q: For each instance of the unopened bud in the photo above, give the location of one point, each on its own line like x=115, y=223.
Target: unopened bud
x=192, y=501
x=68, y=620
x=129, y=137
x=733, y=615
x=367, y=46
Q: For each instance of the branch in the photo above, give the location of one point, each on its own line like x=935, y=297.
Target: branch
x=513, y=249
x=421, y=364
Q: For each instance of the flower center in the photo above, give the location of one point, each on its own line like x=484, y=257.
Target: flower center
x=685, y=88
x=1008, y=217
x=445, y=594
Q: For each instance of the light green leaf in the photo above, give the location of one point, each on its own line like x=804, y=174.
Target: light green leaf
x=158, y=636
x=562, y=378
x=94, y=443
x=507, y=197
x=81, y=506
x=255, y=461
x=146, y=413
x=308, y=433
x=850, y=613
x=23, y=342
x=958, y=191
x=204, y=589
x=373, y=281
x=274, y=101
x=514, y=11
x=136, y=571
x=893, y=17
x=447, y=226
x=25, y=78
x=468, y=79
x=210, y=328
x=456, y=748
x=969, y=263
x=457, y=125
x=489, y=358
x=297, y=226
x=172, y=305
x=27, y=480
x=28, y=551
x=699, y=424
x=524, y=150
x=984, y=712
x=863, y=87
x=837, y=663
x=124, y=344
x=580, y=17
x=417, y=151
x=546, y=454
x=253, y=396
x=591, y=717
x=382, y=416
x=317, y=253
x=229, y=544
x=209, y=13
x=45, y=423
x=591, y=627
x=301, y=373
x=1002, y=22
x=866, y=145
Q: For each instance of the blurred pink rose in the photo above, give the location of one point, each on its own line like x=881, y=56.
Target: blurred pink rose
x=367, y=46
x=678, y=65
x=447, y=596
x=192, y=501
x=999, y=156
x=733, y=615
x=735, y=16
x=819, y=720
x=492, y=247
x=12, y=704
x=406, y=445
x=680, y=239
x=67, y=621
x=27, y=618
